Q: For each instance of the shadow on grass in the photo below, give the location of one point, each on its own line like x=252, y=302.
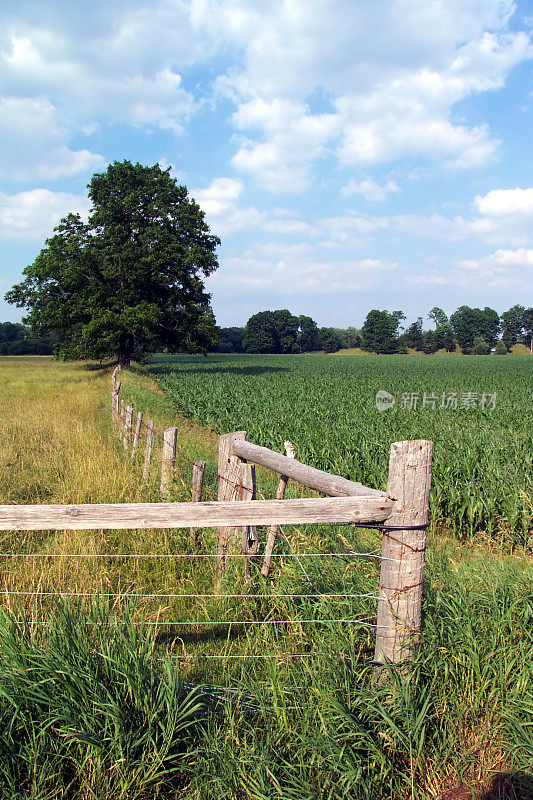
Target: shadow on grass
x=94, y=366
x=214, y=633
x=510, y=786
x=215, y=369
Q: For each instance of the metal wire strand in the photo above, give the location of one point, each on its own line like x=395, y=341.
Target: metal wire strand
x=181, y=596
x=348, y=553
x=362, y=621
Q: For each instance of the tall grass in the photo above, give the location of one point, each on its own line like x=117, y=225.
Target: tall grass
x=83, y=712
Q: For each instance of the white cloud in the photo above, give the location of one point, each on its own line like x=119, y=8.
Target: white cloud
x=295, y=271
x=33, y=215
x=503, y=202
x=60, y=76
x=87, y=89
x=220, y=203
x=505, y=217
x=390, y=80
x=387, y=82
x=502, y=259
x=387, y=134
x=503, y=268
x=294, y=139
x=34, y=143
x=370, y=190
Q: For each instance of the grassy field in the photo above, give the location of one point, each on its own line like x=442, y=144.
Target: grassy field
x=483, y=460
x=95, y=705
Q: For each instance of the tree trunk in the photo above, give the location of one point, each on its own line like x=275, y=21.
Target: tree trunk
x=125, y=351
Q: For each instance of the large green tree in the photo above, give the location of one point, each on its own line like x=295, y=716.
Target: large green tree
x=330, y=341
x=130, y=279
x=273, y=332
x=285, y=331
x=512, y=323
x=230, y=340
x=308, y=335
x=467, y=323
x=413, y=337
x=528, y=326
x=380, y=331
x=260, y=333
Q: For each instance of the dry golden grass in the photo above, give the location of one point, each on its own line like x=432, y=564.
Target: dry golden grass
x=58, y=446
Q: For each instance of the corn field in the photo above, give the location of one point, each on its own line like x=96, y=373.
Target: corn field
x=477, y=410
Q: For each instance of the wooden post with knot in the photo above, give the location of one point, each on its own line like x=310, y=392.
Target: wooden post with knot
x=399, y=618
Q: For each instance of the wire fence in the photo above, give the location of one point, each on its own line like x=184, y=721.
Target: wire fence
x=311, y=608
x=212, y=479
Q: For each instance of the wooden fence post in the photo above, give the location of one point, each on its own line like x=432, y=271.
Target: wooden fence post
x=128, y=425
x=229, y=487
x=115, y=404
x=149, y=447
x=198, y=470
x=136, y=435
x=122, y=415
x=399, y=618
x=273, y=530
x=170, y=445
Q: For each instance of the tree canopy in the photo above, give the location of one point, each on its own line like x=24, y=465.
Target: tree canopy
x=467, y=323
x=512, y=322
x=380, y=331
x=130, y=280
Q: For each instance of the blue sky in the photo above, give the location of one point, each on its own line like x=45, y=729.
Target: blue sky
x=351, y=154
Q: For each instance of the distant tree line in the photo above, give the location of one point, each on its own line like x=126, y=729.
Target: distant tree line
x=15, y=340
x=282, y=332
x=477, y=331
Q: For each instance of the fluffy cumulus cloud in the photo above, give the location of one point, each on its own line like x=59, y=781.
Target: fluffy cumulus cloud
x=343, y=81
x=294, y=139
x=506, y=202
x=370, y=87
x=62, y=73
x=220, y=201
x=33, y=215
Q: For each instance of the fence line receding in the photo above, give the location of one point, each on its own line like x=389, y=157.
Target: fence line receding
x=402, y=513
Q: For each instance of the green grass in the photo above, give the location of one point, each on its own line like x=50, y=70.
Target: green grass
x=83, y=712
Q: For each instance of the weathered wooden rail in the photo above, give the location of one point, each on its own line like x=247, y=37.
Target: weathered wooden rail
x=117, y=516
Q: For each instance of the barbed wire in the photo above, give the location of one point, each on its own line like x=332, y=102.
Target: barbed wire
x=182, y=462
